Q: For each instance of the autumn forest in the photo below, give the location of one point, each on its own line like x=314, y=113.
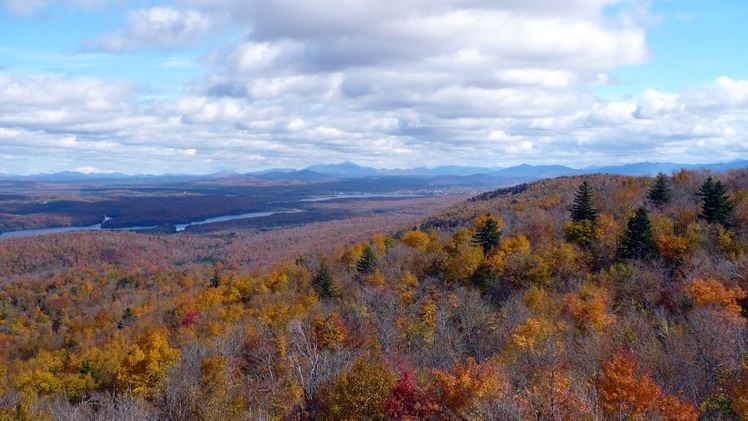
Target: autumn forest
x=594, y=297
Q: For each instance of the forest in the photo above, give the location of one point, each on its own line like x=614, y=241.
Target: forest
x=594, y=297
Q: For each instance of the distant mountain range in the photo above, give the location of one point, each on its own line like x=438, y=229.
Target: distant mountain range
x=349, y=170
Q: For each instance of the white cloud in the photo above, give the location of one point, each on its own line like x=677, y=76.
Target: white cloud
x=156, y=27
x=389, y=84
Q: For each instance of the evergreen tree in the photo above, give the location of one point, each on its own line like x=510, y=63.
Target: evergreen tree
x=487, y=235
x=638, y=242
x=324, y=284
x=368, y=261
x=582, y=209
x=128, y=318
x=660, y=194
x=215, y=280
x=715, y=204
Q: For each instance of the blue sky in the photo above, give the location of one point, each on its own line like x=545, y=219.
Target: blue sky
x=205, y=85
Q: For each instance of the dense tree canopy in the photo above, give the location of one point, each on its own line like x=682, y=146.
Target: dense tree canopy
x=424, y=325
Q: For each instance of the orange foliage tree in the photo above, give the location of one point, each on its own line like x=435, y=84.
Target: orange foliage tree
x=626, y=394
x=462, y=389
x=710, y=292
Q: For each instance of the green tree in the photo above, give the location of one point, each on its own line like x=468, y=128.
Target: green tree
x=638, y=242
x=324, y=284
x=582, y=209
x=368, y=261
x=128, y=318
x=715, y=203
x=660, y=194
x=487, y=235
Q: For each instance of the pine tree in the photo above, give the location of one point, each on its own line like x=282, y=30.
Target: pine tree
x=368, y=261
x=638, y=242
x=215, y=280
x=128, y=318
x=715, y=204
x=660, y=194
x=324, y=284
x=488, y=234
x=582, y=209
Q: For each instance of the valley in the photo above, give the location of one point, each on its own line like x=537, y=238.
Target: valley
x=580, y=297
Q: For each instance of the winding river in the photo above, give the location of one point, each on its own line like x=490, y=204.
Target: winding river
x=97, y=227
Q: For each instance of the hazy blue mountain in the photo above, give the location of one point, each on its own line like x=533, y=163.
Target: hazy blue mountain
x=348, y=170
x=303, y=175
x=652, y=168
x=538, y=171
x=344, y=169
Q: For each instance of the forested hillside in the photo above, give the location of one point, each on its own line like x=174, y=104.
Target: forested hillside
x=576, y=298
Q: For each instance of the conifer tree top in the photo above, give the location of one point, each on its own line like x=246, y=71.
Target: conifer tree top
x=660, y=194
x=582, y=209
x=638, y=242
x=715, y=203
x=487, y=235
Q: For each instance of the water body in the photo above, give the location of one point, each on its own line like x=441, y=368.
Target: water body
x=361, y=196
x=97, y=227
x=181, y=227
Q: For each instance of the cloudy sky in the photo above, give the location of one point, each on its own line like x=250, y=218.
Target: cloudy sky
x=198, y=86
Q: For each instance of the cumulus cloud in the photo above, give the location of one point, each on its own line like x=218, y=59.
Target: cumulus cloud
x=52, y=102
x=387, y=84
x=156, y=27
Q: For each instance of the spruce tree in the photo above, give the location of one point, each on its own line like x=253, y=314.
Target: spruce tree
x=324, y=284
x=660, y=194
x=368, y=261
x=582, y=209
x=638, y=242
x=487, y=235
x=715, y=204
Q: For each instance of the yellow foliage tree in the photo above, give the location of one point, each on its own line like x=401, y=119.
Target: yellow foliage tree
x=417, y=239
x=533, y=336
x=379, y=242
x=144, y=368
x=52, y=373
x=276, y=280
x=329, y=330
x=352, y=254
x=360, y=393
x=376, y=278
x=218, y=399
x=463, y=257
x=406, y=286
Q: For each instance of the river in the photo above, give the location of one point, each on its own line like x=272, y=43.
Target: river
x=97, y=227
x=361, y=196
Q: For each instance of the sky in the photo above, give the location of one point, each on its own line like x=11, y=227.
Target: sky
x=200, y=86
